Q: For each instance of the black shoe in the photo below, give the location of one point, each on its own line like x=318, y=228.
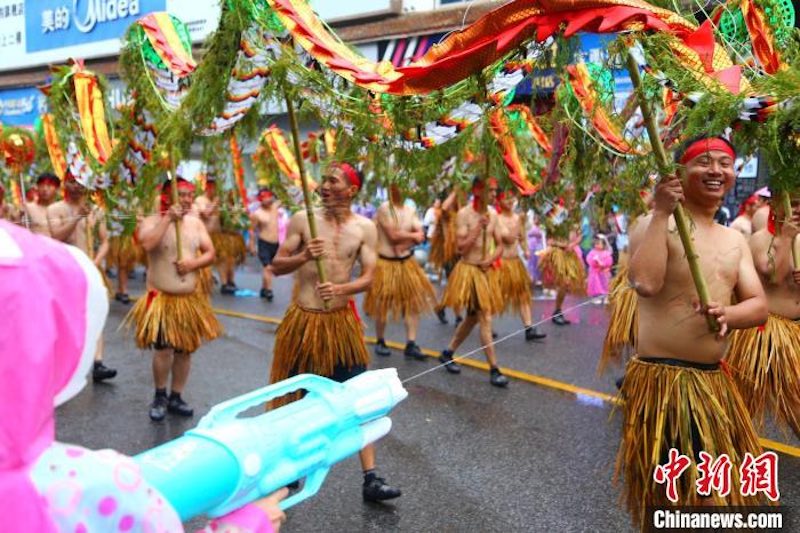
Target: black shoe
x=560, y=320
x=494, y=335
x=270, y=296
x=101, y=372
x=382, y=350
x=227, y=289
x=459, y=320
x=619, y=382
x=263, y=293
x=447, y=359
x=177, y=406
x=532, y=333
x=158, y=409
x=412, y=350
x=376, y=490
x=442, y=316
x=497, y=379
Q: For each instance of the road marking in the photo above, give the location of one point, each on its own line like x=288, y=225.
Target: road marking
x=788, y=449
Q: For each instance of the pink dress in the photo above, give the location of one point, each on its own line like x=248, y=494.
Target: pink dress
x=600, y=262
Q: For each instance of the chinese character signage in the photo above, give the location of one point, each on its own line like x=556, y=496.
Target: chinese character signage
x=21, y=107
x=40, y=32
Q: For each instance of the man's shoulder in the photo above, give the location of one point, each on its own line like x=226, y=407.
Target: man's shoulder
x=56, y=207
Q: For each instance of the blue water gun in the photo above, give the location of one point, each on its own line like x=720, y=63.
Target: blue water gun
x=227, y=461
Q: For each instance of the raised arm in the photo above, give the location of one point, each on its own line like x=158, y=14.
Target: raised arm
x=648, y=244
x=61, y=224
x=292, y=253
x=152, y=229
x=102, y=233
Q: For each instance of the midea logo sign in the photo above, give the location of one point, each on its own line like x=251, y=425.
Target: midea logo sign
x=89, y=13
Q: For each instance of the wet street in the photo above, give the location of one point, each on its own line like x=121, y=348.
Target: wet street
x=537, y=456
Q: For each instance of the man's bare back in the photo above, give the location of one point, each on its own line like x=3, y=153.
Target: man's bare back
x=265, y=222
x=467, y=221
x=401, y=218
x=353, y=239
x=773, y=259
x=208, y=211
x=669, y=326
x=161, y=273
x=37, y=217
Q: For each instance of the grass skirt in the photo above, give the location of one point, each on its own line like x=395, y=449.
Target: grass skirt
x=183, y=322
x=315, y=342
x=443, y=243
x=124, y=253
x=766, y=367
x=563, y=269
x=470, y=288
x=662, y=402
x=515, y=284
x=623, y=323
x=399, y=288
x=205, y=281
x=229, y=246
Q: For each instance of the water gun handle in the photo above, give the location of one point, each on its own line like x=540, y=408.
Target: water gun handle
x=311, y=486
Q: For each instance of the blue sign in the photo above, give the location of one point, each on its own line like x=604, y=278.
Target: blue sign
x=21, y=107
x=52, y=24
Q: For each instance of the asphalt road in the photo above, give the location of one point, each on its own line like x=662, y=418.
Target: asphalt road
x=468, y=456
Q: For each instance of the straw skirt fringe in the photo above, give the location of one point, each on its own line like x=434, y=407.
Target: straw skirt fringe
x=229, y=246
x=470, y=288
x=515, y=284
x=399, y=288
x=562, y=269
x=623, y=323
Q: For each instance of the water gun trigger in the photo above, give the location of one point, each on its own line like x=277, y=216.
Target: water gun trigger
x=311, y=486
x=230, y=409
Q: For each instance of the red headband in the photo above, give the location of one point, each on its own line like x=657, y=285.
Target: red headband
x=264, y=195
x=477, y=188
x=350, y=173
x=55, y=181
x=702, y=146
x=166, y=189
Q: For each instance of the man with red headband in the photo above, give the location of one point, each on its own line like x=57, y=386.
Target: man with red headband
x=264, y=231
x=744, y=222
x=75, y=221
x=400, y=285
x=761, y=216
x=676, y=393
x=766, y=359
x=173, y=318
x=321, y=332
x=470, y=287
x=36, y=212
x=512, y=276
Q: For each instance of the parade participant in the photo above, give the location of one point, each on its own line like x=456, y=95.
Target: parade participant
x=761, y=216
x=36, y=211
x=562, y=269
x=744, y=222
x=321, y=332
x=676, y=394
x=765, y=360
x=400, y=286
x=207, y=207
x=264, y=234
x=124, y=251
x=173, y=318
x=512, y=276
x=7, y=211
x=600, y=262
x=75, y=221
x=444, y=251
x=535, y=245
x=106, y=489
x=470, y=287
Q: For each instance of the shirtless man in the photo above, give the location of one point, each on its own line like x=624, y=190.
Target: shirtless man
x=264, y=231
x=470, y=286
x=173, y=318
x=667, y=385
x=765, y=360
x=206, y=206
x=400, y=286
x=321, y=333
x=743, y=223
x=513, y=277
x=7, y=211
x=566, y=274
x=36, y=212
x=75, y=221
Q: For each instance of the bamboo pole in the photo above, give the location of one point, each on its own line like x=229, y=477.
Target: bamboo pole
x=485, y=207
x=787, y=217
x=312, y=222
x=175, y=201
x=25, y=214
x=681, y=220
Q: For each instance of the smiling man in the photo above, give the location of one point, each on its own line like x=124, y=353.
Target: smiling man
x=676, y=395
x=321, y=332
